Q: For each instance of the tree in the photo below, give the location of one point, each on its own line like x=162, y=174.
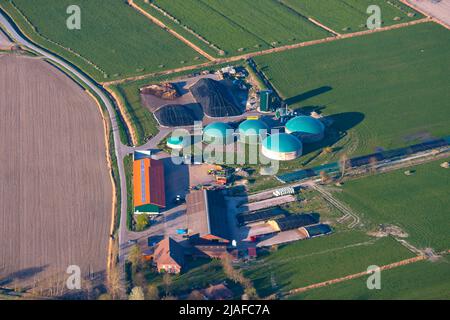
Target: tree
x=142, y=222
x=114, y=282
x=373, y=164
x=104, y=296
x=343, y=164
x=136, y=294
x=195, y=295
x=324, y=177
x=152, y=292
x=237, y=276
x=135, y=256
x=167, y=282
x=251, y=293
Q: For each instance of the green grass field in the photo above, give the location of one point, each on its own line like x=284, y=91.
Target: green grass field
x=250, y=25
x=345, y=16
x=421, y=280
x=311, y=261
x=114, y=42
x=419, y=204
x=389, y=89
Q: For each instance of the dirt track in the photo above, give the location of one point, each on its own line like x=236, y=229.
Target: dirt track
x=55, y=188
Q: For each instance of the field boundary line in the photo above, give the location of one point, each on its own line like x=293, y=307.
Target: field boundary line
x=161, y=24
x=352, y=276
x=414, y=7
x=269, y=51
x=324, y=26
x=107, y=129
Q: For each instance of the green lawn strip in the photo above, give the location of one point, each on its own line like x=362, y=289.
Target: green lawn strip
x=419, y=204
x=386, y=89
x=130, y=46
x=128, y=165
x=143, y=122
x=307, y=262
x=420, y=280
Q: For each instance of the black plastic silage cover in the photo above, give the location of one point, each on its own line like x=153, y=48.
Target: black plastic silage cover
x=215, y=98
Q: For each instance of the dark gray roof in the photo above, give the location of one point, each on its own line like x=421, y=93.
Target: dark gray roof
x=207, y=214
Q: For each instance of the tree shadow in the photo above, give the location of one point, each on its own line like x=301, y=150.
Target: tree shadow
x=21, y=275
x=307, y=95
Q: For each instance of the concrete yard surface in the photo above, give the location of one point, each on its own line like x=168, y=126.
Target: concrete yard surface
x=434, y=8
x=55, y=189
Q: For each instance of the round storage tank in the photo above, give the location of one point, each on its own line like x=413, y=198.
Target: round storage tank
x=308, y=129
x=176, y=143
x=282, y=146
x=218, y=133
x=252, y=131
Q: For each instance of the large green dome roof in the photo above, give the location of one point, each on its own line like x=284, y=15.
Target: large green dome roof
x=305, y=125
x=282, y=142
x=252, y=127
x=217, y=130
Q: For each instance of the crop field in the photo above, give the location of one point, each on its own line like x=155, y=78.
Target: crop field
x=114, y=42
x=311, y=261
x=239, y=28
x=389, y=89
x=345, y=16
x=55, y=192
x=419, y=204
x=421, y=280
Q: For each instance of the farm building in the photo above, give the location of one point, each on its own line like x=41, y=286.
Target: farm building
x=282, y=146
x=252, y=131
x=215, y=98
x=316, y=230
x=169, y=256
x=308, y=129
x=148, y=186
x=293, y=222
x=207, y=222
x=218, y=133
x=261, y=215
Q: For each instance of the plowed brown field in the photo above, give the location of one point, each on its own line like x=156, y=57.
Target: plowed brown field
x=55, y=189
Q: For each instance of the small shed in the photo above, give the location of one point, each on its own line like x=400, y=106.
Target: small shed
x=252, y=253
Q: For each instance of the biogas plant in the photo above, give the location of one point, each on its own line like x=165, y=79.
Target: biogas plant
x=276, y=142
